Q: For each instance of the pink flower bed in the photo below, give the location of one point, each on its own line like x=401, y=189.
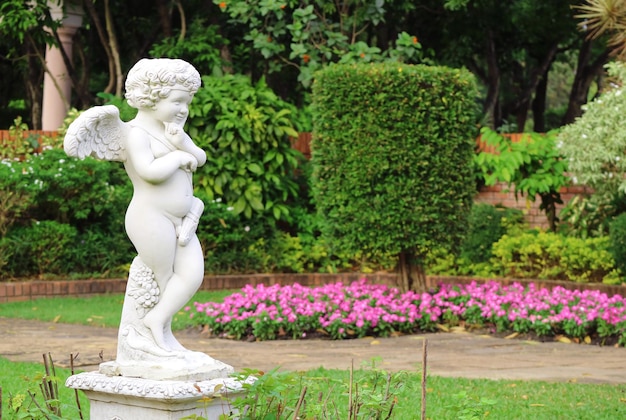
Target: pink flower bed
x=360, y=309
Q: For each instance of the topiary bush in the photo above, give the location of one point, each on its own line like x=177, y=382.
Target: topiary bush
x=392, y=149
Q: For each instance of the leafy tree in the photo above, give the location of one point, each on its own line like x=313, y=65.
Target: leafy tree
x=308, y=36
x=534, y=166
x=510, y=47
x=392, y=151
x=23, y=41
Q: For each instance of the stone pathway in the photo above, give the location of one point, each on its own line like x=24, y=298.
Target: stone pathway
x=458, y=354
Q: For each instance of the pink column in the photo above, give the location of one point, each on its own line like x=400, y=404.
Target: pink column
x=56, y=97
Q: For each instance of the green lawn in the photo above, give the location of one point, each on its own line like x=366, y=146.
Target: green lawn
x=100, y=310
x=19, y=378
x=447, y=398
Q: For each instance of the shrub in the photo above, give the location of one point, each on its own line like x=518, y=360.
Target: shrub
x=550, y=256
x=226, y=238
x=617, y=237
x=487, y=224
x=392, y=149
x=235, y=244
x=77, y=203
x=590, y=216
x=40, y=248
x=245, y=129
x=79, y=192
x=594, y=144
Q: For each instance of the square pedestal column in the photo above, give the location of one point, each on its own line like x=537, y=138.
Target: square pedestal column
x=125, y=398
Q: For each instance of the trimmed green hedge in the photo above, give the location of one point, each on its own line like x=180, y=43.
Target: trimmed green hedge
x=550, y=256
x=392, y=148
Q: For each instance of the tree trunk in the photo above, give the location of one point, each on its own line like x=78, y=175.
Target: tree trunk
x=519, y=106
x=586, y=71
x=115, y=51
x=105, y=43
x=411, y=275
x=539, y=105
x=165, y=17
x=492, y=82
x=33, y=79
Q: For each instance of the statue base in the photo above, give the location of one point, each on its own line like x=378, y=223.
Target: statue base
x=188, y=366
x=125, y=398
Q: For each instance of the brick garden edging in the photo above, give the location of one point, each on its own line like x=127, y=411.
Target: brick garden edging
x=27, y=290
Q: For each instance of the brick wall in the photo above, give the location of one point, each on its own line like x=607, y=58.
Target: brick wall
x=497, y=195
x=20, y=291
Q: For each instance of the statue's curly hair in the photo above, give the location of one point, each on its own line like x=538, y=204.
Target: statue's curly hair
x=152, y=79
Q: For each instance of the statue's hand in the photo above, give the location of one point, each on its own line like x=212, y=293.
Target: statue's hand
x=175, y=135
x=188, y=161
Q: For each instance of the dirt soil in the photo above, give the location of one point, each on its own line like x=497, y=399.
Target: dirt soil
x=452, y=354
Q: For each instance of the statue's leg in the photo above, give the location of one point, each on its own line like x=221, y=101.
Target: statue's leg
x=182, y=285
x=154, y=237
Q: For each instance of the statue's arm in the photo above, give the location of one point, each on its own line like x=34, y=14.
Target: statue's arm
x=190, y=147
x=183, y=142
x=149, y=168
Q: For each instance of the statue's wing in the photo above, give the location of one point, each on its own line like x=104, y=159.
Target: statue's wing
x=97, y=132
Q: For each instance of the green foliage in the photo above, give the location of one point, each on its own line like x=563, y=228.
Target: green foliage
x=127, y=112
x=487, y=224
x=235, y=244
x=392, y=150
x=18, y=146
x=467, y=407
x=40, y=248
x=200, y=46
x=83, y=193
x=25, y=21
x=322, y=394
x=550, y=256
x=41, y=399
x=245, y=128
x=618, y=241
x=226, y=238
x=62, y=215
x=308, y=36
x=590, y=216
x=594, y=144
x=533, y=165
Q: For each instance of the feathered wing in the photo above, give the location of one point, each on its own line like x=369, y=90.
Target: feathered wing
x=97, y=132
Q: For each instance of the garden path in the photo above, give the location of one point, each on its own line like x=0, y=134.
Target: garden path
x=456, y=354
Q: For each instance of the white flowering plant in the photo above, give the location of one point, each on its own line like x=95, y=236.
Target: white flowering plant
x=595, y=143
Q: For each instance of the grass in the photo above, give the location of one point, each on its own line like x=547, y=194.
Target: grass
x=457, y=398
x=446, y=397
x=19, y=377
x=101, y=310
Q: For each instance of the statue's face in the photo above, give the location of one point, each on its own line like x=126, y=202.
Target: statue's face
x=175, y=108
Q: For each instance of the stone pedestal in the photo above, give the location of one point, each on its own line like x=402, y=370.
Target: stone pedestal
x=124, y=398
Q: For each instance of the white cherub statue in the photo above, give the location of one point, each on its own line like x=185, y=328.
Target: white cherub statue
x=162, y=217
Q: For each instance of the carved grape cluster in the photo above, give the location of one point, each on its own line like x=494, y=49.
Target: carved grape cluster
x=142, y=286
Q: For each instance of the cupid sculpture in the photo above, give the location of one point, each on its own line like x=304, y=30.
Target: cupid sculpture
x=161, y=219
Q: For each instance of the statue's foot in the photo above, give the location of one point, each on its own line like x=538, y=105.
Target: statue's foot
x=156, y=329
x=172, y=342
